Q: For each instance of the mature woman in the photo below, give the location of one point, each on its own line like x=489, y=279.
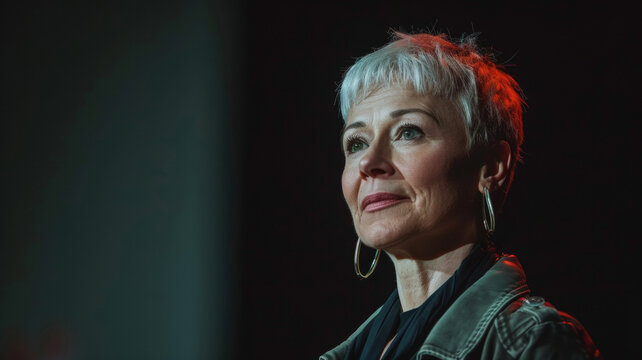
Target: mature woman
x=432, y=134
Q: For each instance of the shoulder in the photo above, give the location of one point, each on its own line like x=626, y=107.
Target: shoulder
x=532, y=328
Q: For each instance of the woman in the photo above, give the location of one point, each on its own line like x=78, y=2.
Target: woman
x=432, y=134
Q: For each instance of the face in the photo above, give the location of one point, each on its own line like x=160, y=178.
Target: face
x=407, y=178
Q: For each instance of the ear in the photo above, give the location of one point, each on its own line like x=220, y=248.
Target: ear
x=494, y=171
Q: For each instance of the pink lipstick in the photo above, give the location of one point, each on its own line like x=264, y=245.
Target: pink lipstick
x=380, y=201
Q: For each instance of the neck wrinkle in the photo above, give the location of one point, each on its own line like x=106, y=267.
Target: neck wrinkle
x=418, y=279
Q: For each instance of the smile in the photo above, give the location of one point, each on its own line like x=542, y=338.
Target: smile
x=378, y=201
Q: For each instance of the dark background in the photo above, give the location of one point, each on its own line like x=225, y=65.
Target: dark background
x=171, y=172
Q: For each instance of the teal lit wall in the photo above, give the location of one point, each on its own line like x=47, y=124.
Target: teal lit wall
x=117, y=181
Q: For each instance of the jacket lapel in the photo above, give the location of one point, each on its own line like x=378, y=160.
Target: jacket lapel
x=464, y=324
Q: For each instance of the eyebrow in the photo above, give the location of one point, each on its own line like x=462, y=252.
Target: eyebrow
x=394, y=114
x=401, y=112
x=354, y=125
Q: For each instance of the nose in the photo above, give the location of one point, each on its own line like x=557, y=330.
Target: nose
x=375, y=163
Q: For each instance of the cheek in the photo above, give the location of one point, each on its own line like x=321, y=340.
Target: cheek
x=350, y=187
x=438, y=183
x=423, y=173
x=429, y=177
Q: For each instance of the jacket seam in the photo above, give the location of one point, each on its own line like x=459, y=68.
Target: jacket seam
x=474, y=338
x=564, y=324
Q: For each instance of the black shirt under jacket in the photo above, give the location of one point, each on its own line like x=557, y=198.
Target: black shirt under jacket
x=411, y=327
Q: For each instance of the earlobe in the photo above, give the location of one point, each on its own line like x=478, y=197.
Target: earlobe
x=495, y=170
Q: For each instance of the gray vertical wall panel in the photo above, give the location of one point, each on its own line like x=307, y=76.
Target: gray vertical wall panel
x=116, y=182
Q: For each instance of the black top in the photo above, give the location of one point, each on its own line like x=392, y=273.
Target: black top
x=411, y=327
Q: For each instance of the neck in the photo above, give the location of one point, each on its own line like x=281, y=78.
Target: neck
x=418, y=279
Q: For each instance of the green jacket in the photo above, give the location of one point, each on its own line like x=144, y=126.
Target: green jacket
x=496, y=319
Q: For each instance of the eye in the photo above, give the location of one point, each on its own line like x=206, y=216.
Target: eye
x=409, y=132
x=355, y=143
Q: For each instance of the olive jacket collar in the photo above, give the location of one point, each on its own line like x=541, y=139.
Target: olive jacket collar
x=452, y=337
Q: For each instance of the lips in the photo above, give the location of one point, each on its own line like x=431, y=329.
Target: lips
x=380, y=201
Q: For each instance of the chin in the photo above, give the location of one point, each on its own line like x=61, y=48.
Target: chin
x=381, y=236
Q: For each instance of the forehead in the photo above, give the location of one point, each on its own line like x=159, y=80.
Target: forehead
x=381, y=102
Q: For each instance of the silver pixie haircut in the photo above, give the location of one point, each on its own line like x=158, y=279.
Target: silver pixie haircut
x=488, y=100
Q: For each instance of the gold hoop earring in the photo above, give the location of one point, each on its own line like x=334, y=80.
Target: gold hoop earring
x=357, y=268
x=488, y=215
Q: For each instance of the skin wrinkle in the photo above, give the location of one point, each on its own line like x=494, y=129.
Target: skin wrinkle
x=429, y=233
x=418, y=280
